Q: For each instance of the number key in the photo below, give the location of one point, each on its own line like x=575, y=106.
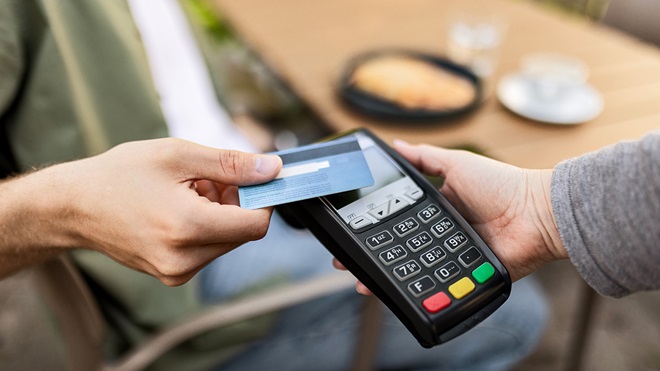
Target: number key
x=406, y=227
x=454, y=242
x=433, y=256
x=379, y=240
x=442, y=227
x=392, y=255
x=419, y=242
x=429, y=213
x=447, y=272
x=407, y=270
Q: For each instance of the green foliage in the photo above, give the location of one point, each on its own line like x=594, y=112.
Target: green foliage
x=591, y=9
x=202, y=14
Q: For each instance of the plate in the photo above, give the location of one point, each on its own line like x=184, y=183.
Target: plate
x=576, y=105
x=373, y=106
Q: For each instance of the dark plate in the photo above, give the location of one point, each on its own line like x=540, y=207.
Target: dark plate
x=374, y=106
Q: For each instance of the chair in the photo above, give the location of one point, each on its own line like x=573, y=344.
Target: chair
x=82, y=325
x=636, y=17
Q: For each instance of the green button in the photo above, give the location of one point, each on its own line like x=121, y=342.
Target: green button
x=483, y=273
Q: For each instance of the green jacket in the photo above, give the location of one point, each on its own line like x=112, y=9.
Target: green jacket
x=74, y=82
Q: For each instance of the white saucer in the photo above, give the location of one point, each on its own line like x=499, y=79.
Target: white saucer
x=575, y=106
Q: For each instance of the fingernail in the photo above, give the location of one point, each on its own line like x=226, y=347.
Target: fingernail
x=399, y=142
x=266, y=164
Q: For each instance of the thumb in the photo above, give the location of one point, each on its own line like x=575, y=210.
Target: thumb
x=228, y=166
x=430, y=160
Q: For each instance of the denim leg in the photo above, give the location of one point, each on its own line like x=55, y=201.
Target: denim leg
x=284, y=252
x=321, y=335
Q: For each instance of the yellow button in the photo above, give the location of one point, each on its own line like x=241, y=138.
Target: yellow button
x=461, y=288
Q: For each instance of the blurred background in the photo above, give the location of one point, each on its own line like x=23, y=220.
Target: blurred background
x=586, y=332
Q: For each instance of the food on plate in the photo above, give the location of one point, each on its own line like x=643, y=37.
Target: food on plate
x=413, y=83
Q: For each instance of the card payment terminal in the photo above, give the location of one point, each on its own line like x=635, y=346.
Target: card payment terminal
x=409, y=246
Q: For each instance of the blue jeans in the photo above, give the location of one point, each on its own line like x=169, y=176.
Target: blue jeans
x=321, y=334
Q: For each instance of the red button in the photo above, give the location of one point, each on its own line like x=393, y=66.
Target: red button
x=436, y=302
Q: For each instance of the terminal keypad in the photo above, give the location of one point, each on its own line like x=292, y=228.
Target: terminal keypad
x=432, y=256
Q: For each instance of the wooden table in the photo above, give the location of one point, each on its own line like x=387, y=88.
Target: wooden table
x=307, y=43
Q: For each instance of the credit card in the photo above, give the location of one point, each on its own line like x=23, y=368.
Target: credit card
x=311, y=171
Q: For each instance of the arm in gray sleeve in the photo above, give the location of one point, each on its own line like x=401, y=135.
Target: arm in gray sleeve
x=607, y=209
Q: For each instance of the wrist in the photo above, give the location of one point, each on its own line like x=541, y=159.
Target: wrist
x=46, y=218
x=30, y=225
x=551, y=246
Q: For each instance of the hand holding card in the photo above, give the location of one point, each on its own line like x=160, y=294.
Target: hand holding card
x=312, y=171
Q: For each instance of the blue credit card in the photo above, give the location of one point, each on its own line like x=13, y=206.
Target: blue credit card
x=311, y=171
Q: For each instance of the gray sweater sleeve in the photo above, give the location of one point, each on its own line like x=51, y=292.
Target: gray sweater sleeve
x=607, y=208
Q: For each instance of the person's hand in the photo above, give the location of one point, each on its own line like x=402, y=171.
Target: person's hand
x=166, y=207
x=509, y=207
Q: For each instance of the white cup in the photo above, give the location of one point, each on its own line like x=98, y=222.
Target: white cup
x=552, y=75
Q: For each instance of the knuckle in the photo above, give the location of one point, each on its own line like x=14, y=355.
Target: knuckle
x=166, y=265
x=173, y=281
x=231, y=163
x=165, y=151
x=172, y=269
x=169, y=149
x=169, y=259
